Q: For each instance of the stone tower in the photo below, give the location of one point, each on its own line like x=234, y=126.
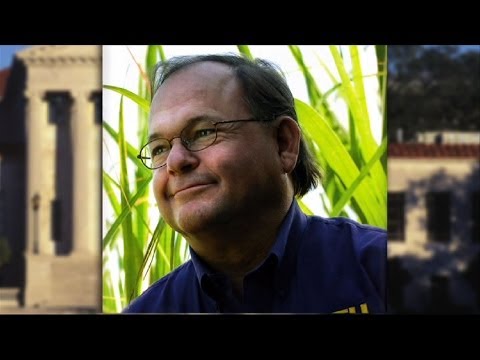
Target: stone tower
x=59, y=114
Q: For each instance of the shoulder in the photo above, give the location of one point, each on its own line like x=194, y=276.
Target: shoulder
x=163, y=295
x=349, y=250
x=347, y=240
x=347, y=232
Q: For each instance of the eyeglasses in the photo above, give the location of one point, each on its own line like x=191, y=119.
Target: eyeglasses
x=196, y=136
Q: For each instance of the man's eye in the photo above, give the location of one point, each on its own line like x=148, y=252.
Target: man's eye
x=159, y=150
x=203, y=133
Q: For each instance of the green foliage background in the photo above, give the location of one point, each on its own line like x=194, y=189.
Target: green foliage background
x=138, y=251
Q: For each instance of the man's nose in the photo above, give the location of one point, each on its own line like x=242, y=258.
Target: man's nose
x=180, y=159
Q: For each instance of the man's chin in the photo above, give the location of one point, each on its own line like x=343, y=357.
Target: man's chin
x=191, y=219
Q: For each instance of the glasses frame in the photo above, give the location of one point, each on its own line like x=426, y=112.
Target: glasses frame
x=185, y=143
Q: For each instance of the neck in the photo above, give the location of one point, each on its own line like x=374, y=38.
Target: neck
x=235, y=249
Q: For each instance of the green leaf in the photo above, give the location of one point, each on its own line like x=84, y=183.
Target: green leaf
x=318, y=100
x=363, y=173
x=107, y=184
x=150, y=251
x=304, y=207
x=357, y=105
x=339, y=160
x=143, y=103
x=109, y=236
x=132, y=153
x=245, y=51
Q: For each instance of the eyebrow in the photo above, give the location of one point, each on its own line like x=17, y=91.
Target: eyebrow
x=157, y=135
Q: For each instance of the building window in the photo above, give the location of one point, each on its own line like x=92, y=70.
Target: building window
x=438, y=216
x=96, y=98
x=56, y=220
x=396, y=216
x=475, y=217
x=59, y=107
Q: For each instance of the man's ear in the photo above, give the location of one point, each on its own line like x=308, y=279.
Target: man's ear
x=288, y=140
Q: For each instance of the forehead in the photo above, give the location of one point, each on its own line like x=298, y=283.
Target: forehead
x=202, y=89
x=202, y=75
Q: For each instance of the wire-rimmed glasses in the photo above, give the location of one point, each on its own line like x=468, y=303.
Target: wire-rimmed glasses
x=196, y=136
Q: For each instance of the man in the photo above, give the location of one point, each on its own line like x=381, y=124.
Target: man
x=228, y=160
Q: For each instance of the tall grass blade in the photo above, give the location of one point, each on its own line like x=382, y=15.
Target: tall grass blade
x=363, y=173
x=245, y=51
x=126, y=210
x=108, y=181
x=339, y=160
x=143, y=103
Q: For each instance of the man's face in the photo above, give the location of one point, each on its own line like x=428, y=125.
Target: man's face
x=235, y=179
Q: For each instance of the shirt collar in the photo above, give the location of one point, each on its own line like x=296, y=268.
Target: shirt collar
x=294, y=220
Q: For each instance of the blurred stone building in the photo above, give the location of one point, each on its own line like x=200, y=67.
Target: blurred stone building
x=433, y=224
x=50, y=180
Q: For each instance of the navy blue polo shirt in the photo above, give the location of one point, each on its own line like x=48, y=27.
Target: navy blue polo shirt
x=316, y=265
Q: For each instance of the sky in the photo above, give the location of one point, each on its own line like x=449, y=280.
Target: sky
x=7, y=52
x=465, y=48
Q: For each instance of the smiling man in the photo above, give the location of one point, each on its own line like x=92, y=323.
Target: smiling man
x=228, y=160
